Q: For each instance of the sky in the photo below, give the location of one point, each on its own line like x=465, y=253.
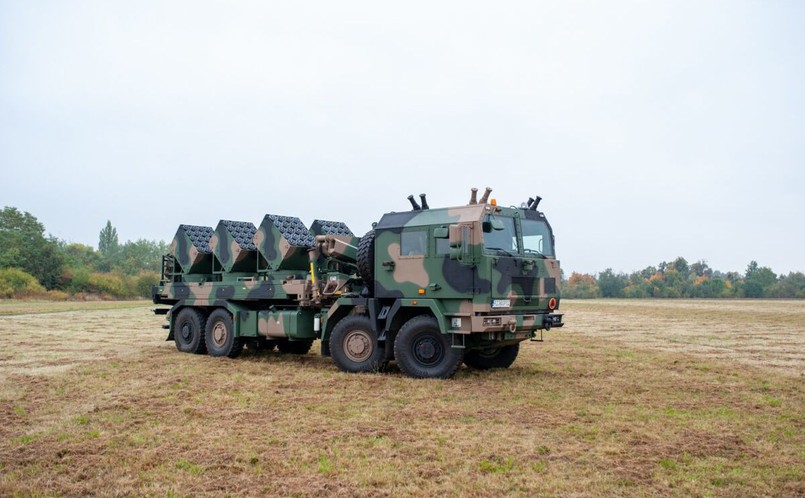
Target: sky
x=651, y=129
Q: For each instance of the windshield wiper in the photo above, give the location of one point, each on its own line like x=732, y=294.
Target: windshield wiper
x=504, y=251
x=534, y=252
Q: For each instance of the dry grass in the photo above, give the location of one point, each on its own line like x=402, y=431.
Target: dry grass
x=631, y=398
x=19, y=307
x=769, y=334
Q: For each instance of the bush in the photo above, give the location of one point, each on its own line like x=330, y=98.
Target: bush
x=57, y=295
x=18, y=284
x=145, y=281
x=107, y=284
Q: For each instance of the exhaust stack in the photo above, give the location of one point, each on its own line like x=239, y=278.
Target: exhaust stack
x=414, y=204
x=533, y=203
x=485, y=197
x=424, y=201
x=474, y=196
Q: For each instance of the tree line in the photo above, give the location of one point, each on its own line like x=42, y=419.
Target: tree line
x=35, y=265
x=680, y=279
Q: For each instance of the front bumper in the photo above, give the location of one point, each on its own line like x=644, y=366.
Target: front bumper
x=512, y=324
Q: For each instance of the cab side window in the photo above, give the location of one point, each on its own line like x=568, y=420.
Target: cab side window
x=413, y=243
x=442, y=247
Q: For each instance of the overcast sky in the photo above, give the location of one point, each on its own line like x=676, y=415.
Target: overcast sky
x=651, y=129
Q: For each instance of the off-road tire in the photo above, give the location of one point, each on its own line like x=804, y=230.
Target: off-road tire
x=422, y=351
x=188, y=331
x=366, y=258
x=501, y=357
x=354, y=346
x=220, y=335
x=294, y=347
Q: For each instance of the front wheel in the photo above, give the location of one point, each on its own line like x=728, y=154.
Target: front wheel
x=220, y=335
x=422, y=351
x=484, y=359
x=354, y=346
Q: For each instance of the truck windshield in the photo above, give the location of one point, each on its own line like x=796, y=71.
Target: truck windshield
x=537, y=238
x=501, y=240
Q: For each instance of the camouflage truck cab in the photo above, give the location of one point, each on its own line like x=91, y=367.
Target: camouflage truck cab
x=429, y=288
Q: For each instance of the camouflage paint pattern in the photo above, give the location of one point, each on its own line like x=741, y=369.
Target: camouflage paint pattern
x=485, y=290
x=232, y=243
x=293, y=324
x=190, y=248
x=283, y=242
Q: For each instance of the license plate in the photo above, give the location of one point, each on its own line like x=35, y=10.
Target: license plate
x=501, y=303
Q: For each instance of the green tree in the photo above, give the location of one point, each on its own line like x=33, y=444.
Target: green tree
x=701, y=269
x=680, y=264
x=581, y=286
x=108, y=246
x=612, y=284
x=80, y=256
x=758, y=280
x=23, y=245
x=141, y=255
x=790, y=286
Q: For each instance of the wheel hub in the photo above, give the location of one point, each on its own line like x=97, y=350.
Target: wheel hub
x=428, y=351
x=358, y=345
x=219, y=334
x=186, y=332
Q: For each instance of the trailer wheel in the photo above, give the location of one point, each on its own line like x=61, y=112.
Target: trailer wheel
x=220, y=335
x=188, y=331
x=422, y=351
x=294, y=347
x=485, y=359
x=354, y=346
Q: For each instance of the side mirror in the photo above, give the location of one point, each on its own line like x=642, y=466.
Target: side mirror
x=441, y=233
x=493, y=224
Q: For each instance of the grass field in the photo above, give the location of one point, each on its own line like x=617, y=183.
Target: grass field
x=630, y=398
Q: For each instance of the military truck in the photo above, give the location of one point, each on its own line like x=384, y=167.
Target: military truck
x=427, y=288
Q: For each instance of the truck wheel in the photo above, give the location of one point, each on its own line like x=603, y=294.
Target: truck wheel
x=354, y=346
x=220, y=335
x=485, y=359
x=422, y=351
x=188, y=331
x=366, y=258
x=294, y=347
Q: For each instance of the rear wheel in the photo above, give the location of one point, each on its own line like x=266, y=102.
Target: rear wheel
x=294, y=347
x=422, y=351
x=220, y=335
x=354, y=346
x=188, y=331
x=484, y=359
